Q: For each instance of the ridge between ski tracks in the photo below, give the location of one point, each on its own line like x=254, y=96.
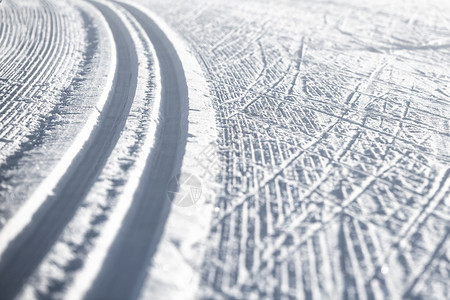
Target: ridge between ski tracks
x=124, y=269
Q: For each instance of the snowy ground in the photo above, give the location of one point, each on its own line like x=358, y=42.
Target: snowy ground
x=318, y=129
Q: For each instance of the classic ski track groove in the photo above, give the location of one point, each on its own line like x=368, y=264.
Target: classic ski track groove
x=140, y=232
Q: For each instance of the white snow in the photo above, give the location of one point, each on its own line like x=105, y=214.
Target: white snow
x=98, y=204
x=23, y=216
x=35, y=73
x=319, y=130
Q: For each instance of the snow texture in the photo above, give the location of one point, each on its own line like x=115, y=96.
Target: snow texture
x=318, y=129
x=333, y=129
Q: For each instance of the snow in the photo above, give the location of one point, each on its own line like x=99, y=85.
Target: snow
x=94, y=261
x=26, y=212
x=133, y=146
x=35, y=76
x=319, y=131
x=334, y=144
x=175, y=270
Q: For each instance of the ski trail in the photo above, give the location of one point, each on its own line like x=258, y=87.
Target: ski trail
x=142, y=227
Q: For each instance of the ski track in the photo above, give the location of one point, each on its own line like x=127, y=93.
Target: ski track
x=100, y=208
x=140, y=232
x=333, y=139
x=29, y=248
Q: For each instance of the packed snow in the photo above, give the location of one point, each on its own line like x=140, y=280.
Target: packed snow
x=319, y=131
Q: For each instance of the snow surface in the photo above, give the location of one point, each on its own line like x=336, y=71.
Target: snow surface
x=334, y=133
x=34, y=89
x=319, y=131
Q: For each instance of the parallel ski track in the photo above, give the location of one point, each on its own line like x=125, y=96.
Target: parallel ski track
x=124, y=269
x=27, y=250
x=137, y=240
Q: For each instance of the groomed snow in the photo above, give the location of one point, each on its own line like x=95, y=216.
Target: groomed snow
x=318, y=129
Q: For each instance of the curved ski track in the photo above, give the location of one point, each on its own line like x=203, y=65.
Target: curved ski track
x=125, y=266
x=141, y=231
